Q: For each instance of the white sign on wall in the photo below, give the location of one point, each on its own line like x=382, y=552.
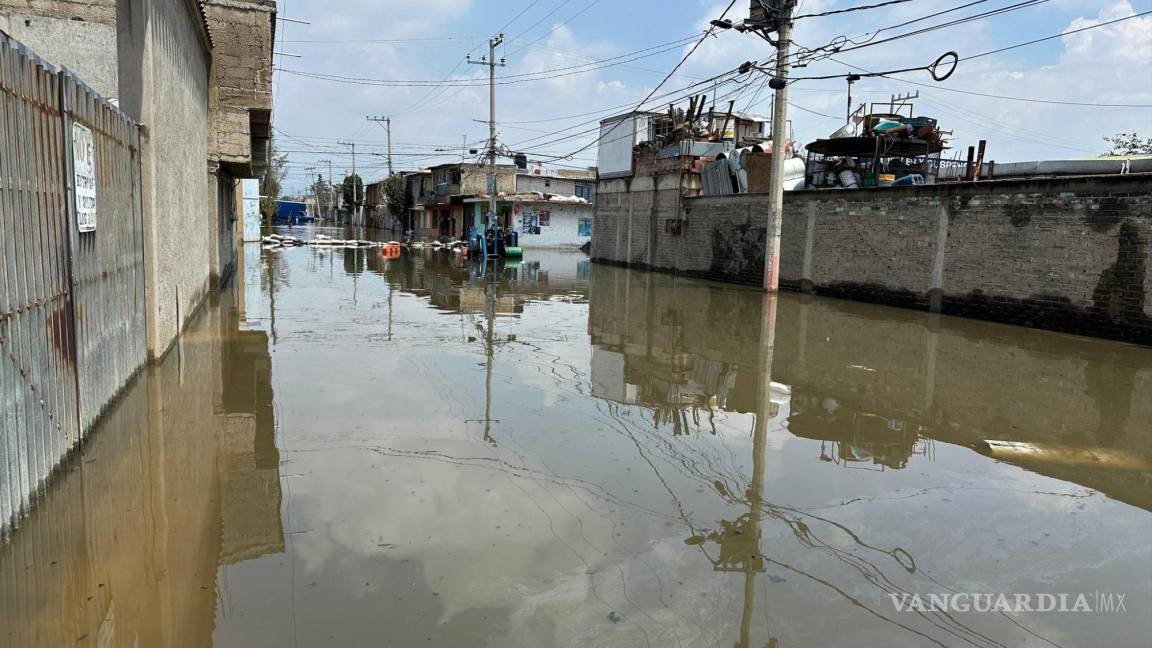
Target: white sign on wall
x=84, y=177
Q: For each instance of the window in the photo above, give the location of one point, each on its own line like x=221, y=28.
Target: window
x=584, y=191
x=455, y=176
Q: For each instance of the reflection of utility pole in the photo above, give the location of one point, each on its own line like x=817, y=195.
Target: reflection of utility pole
x=739, y=541
x=490, y=314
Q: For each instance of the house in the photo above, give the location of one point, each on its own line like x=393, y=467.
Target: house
x=419, y=185
x=444, y=210
x=547, y=208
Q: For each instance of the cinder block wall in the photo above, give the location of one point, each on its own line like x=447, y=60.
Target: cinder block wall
x=76, y=34
x=1064, y=254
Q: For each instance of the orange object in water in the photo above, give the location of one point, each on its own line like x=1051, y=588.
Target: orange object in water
x=464, y=251
x=390, y=251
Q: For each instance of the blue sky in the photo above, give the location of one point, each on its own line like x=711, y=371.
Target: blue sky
x=1112, y=64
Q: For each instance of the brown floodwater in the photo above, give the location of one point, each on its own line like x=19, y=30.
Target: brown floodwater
x=349, y=451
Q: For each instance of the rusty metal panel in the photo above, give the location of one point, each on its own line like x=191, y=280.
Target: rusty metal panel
x=716, y=179
x=38, y=422
x=108, y=263
x=71, y=304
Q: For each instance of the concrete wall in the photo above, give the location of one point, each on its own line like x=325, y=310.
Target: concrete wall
x=239, y=113
x=1066, y=254
x=164, y=68
x=76, y=34
x=526, y=182
x=563, y=229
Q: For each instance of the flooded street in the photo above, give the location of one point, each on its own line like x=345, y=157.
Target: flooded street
x=351, y=451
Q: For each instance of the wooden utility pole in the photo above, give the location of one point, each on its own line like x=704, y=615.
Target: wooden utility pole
x=490, y=61
x=779, y=83
x=387, y=121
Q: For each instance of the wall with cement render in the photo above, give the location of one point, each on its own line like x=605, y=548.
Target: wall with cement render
x=563, y=229
x=1067, y=254
x=526, y=182
x=80, y=36
x=164, y=67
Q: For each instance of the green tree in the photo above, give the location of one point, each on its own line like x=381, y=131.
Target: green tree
x=353, y=191
x=273, y=179
x=398, y=199
x=325, y=197
x=1129, y=144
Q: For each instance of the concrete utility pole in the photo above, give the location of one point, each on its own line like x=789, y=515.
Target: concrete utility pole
x=779, y=145
x=355, y=192
x=328, y=197
x=387, y=121
x=490, y=61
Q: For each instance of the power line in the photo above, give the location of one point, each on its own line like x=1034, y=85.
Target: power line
x=711, y=29
x=557, y=26
x=1061, y=35
x=850, y=9
x=837, y=46
x=540, y=75
x=1012, y=47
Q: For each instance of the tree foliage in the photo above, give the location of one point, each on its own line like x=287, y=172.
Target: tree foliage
x=353, y=191
x=273, y=179
x=397, y=197
x=1129, y=144
x=322, y=189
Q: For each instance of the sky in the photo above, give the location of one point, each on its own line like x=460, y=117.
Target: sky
x=571, y=63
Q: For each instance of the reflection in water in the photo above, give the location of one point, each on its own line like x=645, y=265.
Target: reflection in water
x=349, y=450
x=182, y=475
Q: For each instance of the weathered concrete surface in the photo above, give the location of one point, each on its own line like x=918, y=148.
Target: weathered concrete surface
x=75, y=34
x=164, y=64
x=1066, y=254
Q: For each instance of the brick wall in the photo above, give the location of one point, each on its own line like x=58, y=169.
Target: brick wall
x=1065, y=254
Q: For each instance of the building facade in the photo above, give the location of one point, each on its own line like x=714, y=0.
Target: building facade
x=196, y=74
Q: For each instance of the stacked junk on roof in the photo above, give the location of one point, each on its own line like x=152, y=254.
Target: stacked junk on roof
x=882, y=144
x=876, y=148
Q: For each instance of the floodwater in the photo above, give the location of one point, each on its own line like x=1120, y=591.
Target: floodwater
x=350, y=451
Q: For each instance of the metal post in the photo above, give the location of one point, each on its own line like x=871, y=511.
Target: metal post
x=779, y=150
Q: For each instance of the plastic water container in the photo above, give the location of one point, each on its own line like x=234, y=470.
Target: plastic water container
x=848, y=179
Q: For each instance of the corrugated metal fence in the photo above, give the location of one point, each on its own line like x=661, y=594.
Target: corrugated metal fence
x=71, y=303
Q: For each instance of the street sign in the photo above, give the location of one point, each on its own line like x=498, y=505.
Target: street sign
x=84, y=177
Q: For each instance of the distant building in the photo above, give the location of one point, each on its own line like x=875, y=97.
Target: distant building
x=546, y=208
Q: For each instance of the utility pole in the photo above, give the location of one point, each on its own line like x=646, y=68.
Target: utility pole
x=355, y=192
x=490, y=61
x=779, y=83
x=387, y=121
x=328, y=197
x=312, y=181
